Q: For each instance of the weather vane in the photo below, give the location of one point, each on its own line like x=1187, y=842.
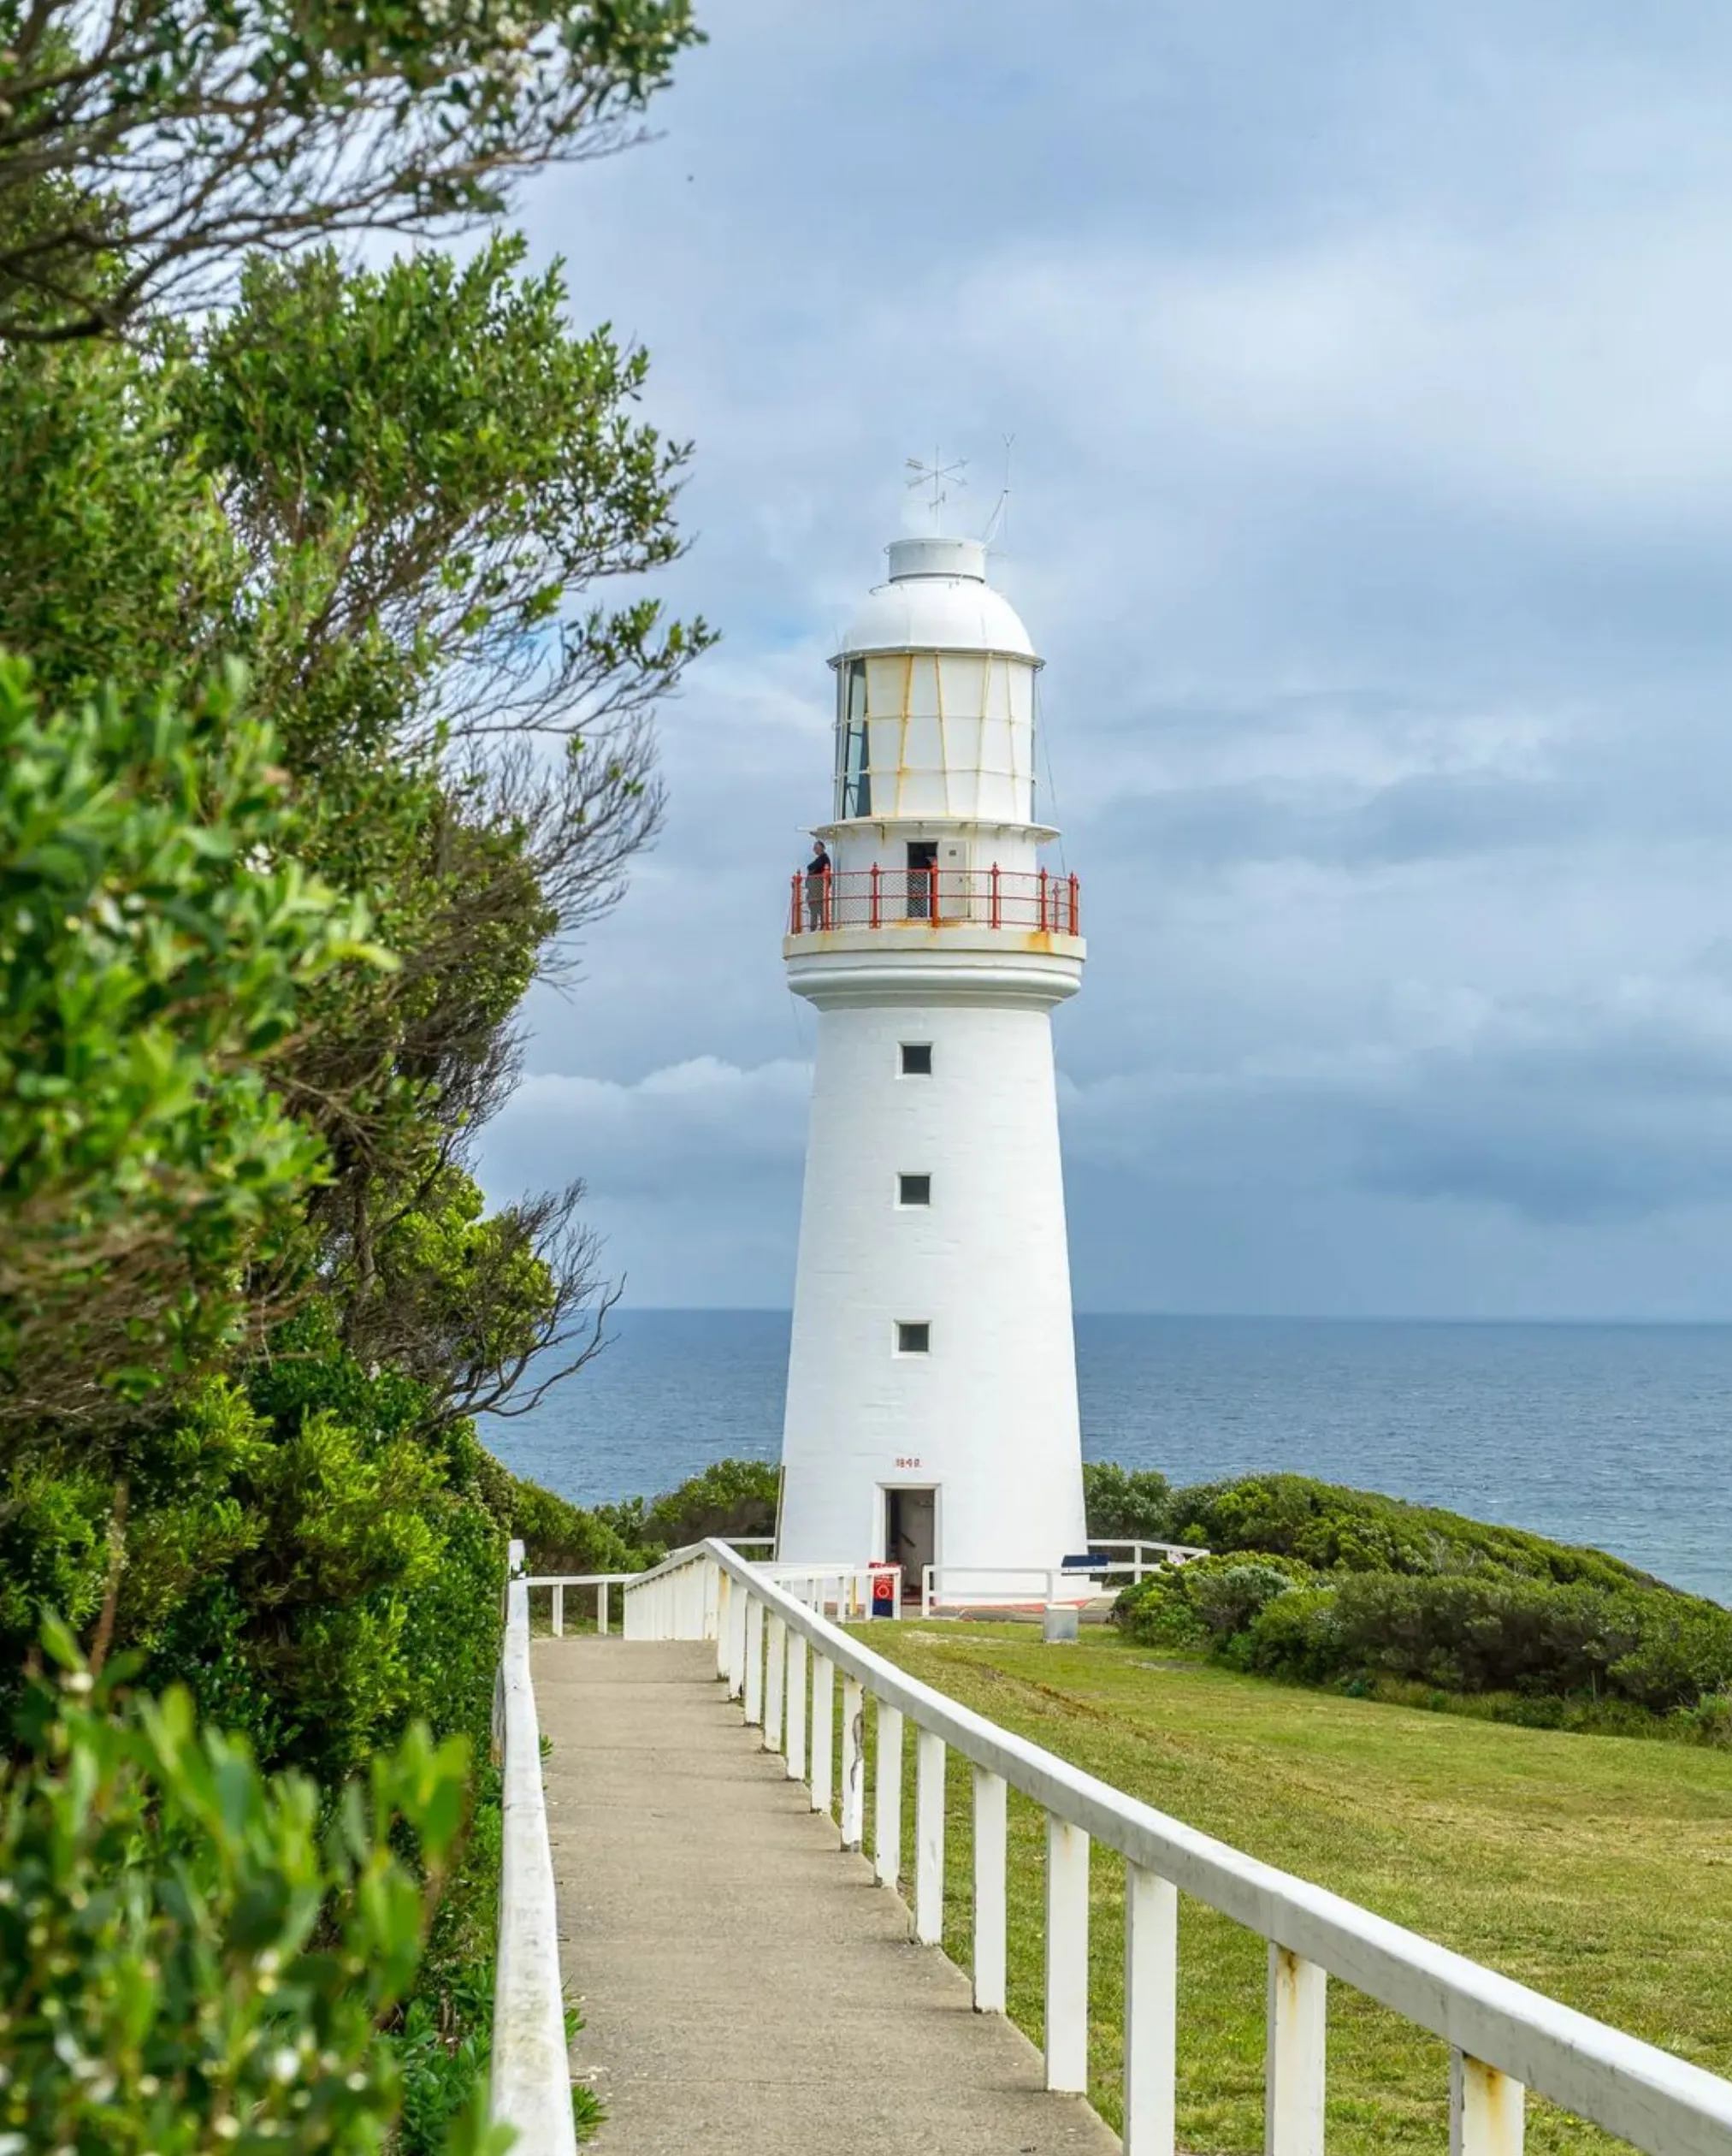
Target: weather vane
x=940, y=477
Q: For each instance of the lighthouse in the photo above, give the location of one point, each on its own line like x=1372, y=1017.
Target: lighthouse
x=932, y=1408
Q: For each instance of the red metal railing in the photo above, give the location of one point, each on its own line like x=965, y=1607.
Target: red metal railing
x=991, y=897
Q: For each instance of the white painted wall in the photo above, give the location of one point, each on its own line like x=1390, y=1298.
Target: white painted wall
x=943, y=672
x=856, y=848
x=989, y=1416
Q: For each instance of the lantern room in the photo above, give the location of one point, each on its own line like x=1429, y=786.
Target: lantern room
x=935, y=696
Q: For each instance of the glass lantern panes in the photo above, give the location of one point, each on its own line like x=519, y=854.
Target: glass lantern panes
x=853, y=783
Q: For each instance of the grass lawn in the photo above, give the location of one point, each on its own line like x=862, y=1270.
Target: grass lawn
x=1598, y=1869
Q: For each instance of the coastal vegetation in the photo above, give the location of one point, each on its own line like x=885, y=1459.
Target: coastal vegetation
x=732, y=1497
x=1579, y=1865
x=1316, y=1583
x=318, y=742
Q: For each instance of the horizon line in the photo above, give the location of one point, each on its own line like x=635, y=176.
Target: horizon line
x=1232, y=1317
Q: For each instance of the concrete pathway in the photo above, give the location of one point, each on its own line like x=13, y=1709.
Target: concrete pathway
x=744, y=1986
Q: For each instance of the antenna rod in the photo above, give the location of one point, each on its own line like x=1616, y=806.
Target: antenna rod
x=940, y=477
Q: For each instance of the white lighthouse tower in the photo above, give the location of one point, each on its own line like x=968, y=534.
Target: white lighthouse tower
x=932, y=1412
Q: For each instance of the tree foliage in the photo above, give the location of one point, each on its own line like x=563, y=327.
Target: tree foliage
x=1332, y=1528
x=319, y=742
x=156, y=930
x=1125, y=1504
x=192, y=1954
x=144, y=143
x=1322, y=1585
x=383, y=489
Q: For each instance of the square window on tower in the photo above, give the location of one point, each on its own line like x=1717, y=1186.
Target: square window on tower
x=913, y=1190
x=917, y=1060
x=913, y=1336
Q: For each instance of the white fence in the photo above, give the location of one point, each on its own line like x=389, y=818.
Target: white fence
x=670, y=1603
x=602, y=1582
x=1141, y=1559
x=1037, y=1586
x=531, y=2080
x=782, y=1659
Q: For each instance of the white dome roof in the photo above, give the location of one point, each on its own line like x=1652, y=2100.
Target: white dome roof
x=938, y=598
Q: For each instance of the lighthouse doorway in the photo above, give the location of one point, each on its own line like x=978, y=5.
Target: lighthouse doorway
x=923, y=879
x=911, y=1533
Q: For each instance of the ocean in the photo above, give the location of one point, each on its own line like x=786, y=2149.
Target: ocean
x=1612, y=1435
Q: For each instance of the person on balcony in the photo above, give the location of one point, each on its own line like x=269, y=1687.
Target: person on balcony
x=818, y=887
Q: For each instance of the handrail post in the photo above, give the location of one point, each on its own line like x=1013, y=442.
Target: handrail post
x=1151, y=1999
x=602, y=1611
x=754, y=1661
x=1076, y=906
x=853, y=1761
x=1043, y=902
x=794, y=904
x=775, y=1678
x=737, y=1600
x=875, y=915
x=559, y=1612
x=990, y=1797
x=929, y=1838
x=997, y=917
x=725, y=1592
x=1294, y=2076
x=1067, y=1956
x=823, y=1730
x=887, y=1798
x=794, y=1750
x=1486, y=2115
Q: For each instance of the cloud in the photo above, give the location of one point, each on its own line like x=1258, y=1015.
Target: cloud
x=696, y=1126
x=1371, y=506
x=1558, y=1111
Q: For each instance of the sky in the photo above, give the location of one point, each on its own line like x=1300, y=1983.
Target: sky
x=1368, y=366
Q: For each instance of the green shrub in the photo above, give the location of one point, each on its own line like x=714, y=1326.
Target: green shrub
x=189, y=1958
x=443, y=2046
x=292, y=1551
x=158, y=934
x=1293, y=1636
x=1228, y=1600
x=558, y=1536
x=732, y=1497
x=1682, y=1657
x=1127, y=1504
x=1334, y=1528
x=1709, y=1720
x=1486, y=1633
x=1206, y=1602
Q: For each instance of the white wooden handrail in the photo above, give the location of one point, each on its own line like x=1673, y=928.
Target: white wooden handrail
x=602, y=1582
x=1505, y=2038
x=530, y=2087
x=669, y=1601
x=1031, y=1586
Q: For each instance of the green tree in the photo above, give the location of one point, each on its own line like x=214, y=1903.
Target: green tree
x=118, y=564
x=189, y=1957
x=145, y=144
x=1127, y=1504
x=427, y=474
x=156, y=932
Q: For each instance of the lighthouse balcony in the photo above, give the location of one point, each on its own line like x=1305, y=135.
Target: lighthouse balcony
x=1034, y=903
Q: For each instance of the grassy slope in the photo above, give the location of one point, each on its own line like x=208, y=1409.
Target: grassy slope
x=1597, y=1869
